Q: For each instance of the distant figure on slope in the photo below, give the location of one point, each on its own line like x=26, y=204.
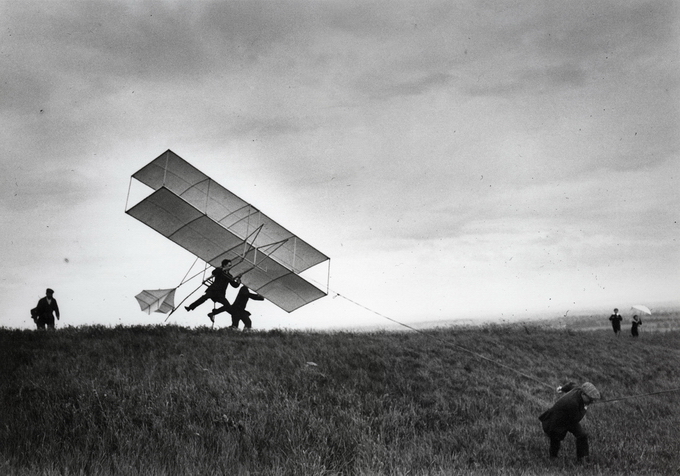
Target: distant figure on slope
x=565, y=416
x=217, y=290
x=238, y=309
x=616, y=321
x=43, y=312
x=634, y=326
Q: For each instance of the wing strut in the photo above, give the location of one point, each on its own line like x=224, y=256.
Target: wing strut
x=276, y=245
x=241, y=259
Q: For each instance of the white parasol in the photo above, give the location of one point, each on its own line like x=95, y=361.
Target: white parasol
x=642, y=308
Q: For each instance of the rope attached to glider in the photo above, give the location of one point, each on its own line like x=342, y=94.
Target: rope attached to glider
x=480, y=356
x=612, y=400
x=459, y=347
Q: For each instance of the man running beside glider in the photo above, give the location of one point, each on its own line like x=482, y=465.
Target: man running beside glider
x=238, y=309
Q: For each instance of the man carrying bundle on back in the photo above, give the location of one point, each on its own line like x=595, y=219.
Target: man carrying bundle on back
x=565, y=416
x=43, y=313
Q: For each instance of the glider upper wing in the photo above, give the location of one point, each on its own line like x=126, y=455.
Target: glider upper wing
x=197, y=213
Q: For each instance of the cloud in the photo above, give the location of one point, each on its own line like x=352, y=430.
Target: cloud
x=537, y=81
x=379, y=88
x=267, y=127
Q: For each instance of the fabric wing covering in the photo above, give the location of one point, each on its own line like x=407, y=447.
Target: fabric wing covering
x=156, y=300
x=200, y=215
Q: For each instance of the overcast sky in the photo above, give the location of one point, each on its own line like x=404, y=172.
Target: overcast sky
x=454, y=159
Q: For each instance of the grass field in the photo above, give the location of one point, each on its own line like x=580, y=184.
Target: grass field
x=175, y=401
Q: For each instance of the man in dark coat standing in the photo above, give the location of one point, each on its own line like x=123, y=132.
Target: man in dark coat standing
x=45, y=309
x=238, y=309
x=565, y=416
x=217, y=290
x=616, y=319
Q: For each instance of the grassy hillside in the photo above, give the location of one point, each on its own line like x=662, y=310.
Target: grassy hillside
x=169, y=400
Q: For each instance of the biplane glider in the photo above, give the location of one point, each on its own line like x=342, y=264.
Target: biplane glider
x=191, y=209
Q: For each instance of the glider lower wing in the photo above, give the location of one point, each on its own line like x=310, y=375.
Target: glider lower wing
x=206, y=219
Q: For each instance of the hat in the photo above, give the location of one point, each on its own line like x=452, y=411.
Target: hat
x=590, y=390
x=48, y=291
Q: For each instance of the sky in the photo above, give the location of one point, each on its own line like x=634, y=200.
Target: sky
x=455, y=160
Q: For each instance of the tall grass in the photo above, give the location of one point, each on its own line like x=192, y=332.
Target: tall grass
x=169, y=400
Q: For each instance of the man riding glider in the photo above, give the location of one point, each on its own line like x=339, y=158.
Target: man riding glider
x=217, y=290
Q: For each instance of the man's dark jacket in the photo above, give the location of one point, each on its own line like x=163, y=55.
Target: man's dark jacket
x=565, y=414
x=45, y=309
